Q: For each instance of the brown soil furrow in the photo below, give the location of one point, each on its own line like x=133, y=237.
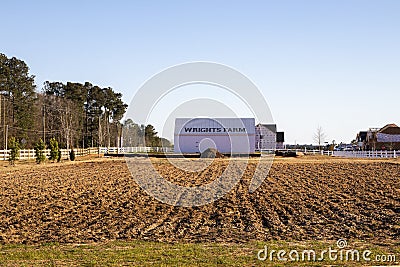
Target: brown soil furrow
x=300, y=199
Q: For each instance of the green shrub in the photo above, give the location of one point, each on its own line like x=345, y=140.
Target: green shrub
x=72, y=155
x=13, y=145
x=39, y=151
x=53, y=149
x=59, y=155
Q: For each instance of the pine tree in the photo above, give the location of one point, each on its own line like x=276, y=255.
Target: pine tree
x=13, y=145
x=19, y=92
x=151, y=136
x=39, y=151
x=53, y=149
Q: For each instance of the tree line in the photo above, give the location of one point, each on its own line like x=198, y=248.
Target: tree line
x=74, y=114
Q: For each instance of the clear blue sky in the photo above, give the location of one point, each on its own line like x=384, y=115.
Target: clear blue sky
x=330, y=63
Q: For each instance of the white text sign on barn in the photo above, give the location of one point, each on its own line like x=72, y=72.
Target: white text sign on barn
x=228, y=135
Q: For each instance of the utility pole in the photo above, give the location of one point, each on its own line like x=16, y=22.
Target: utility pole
x=108, y=130
x=122, y=135
x=4, y=119
x=1, y=118
x=5, y=145
x=44, y=123
x=6, y=137
x=4, y=111
x=98, y=132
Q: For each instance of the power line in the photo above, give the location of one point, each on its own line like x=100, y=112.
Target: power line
x=34, y=131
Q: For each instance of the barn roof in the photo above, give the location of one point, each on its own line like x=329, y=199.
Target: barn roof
x=390, y=129
x=271, y=127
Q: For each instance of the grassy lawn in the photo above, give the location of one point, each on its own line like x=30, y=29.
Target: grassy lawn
x=142, y=253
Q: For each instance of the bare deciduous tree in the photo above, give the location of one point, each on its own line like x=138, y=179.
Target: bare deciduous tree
x=319, y=136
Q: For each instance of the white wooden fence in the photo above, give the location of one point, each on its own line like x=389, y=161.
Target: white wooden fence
x=25, y=154
x=125, y=150
x=364, y=154
x=346, y=154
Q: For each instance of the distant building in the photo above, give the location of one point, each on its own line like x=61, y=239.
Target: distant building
x=370, y=140
x=386, y=138
x=268, y=138
x=280, y=140
x=227, y=135
x=361, y=138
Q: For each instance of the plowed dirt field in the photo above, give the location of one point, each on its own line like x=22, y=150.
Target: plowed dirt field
x=301, y=199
